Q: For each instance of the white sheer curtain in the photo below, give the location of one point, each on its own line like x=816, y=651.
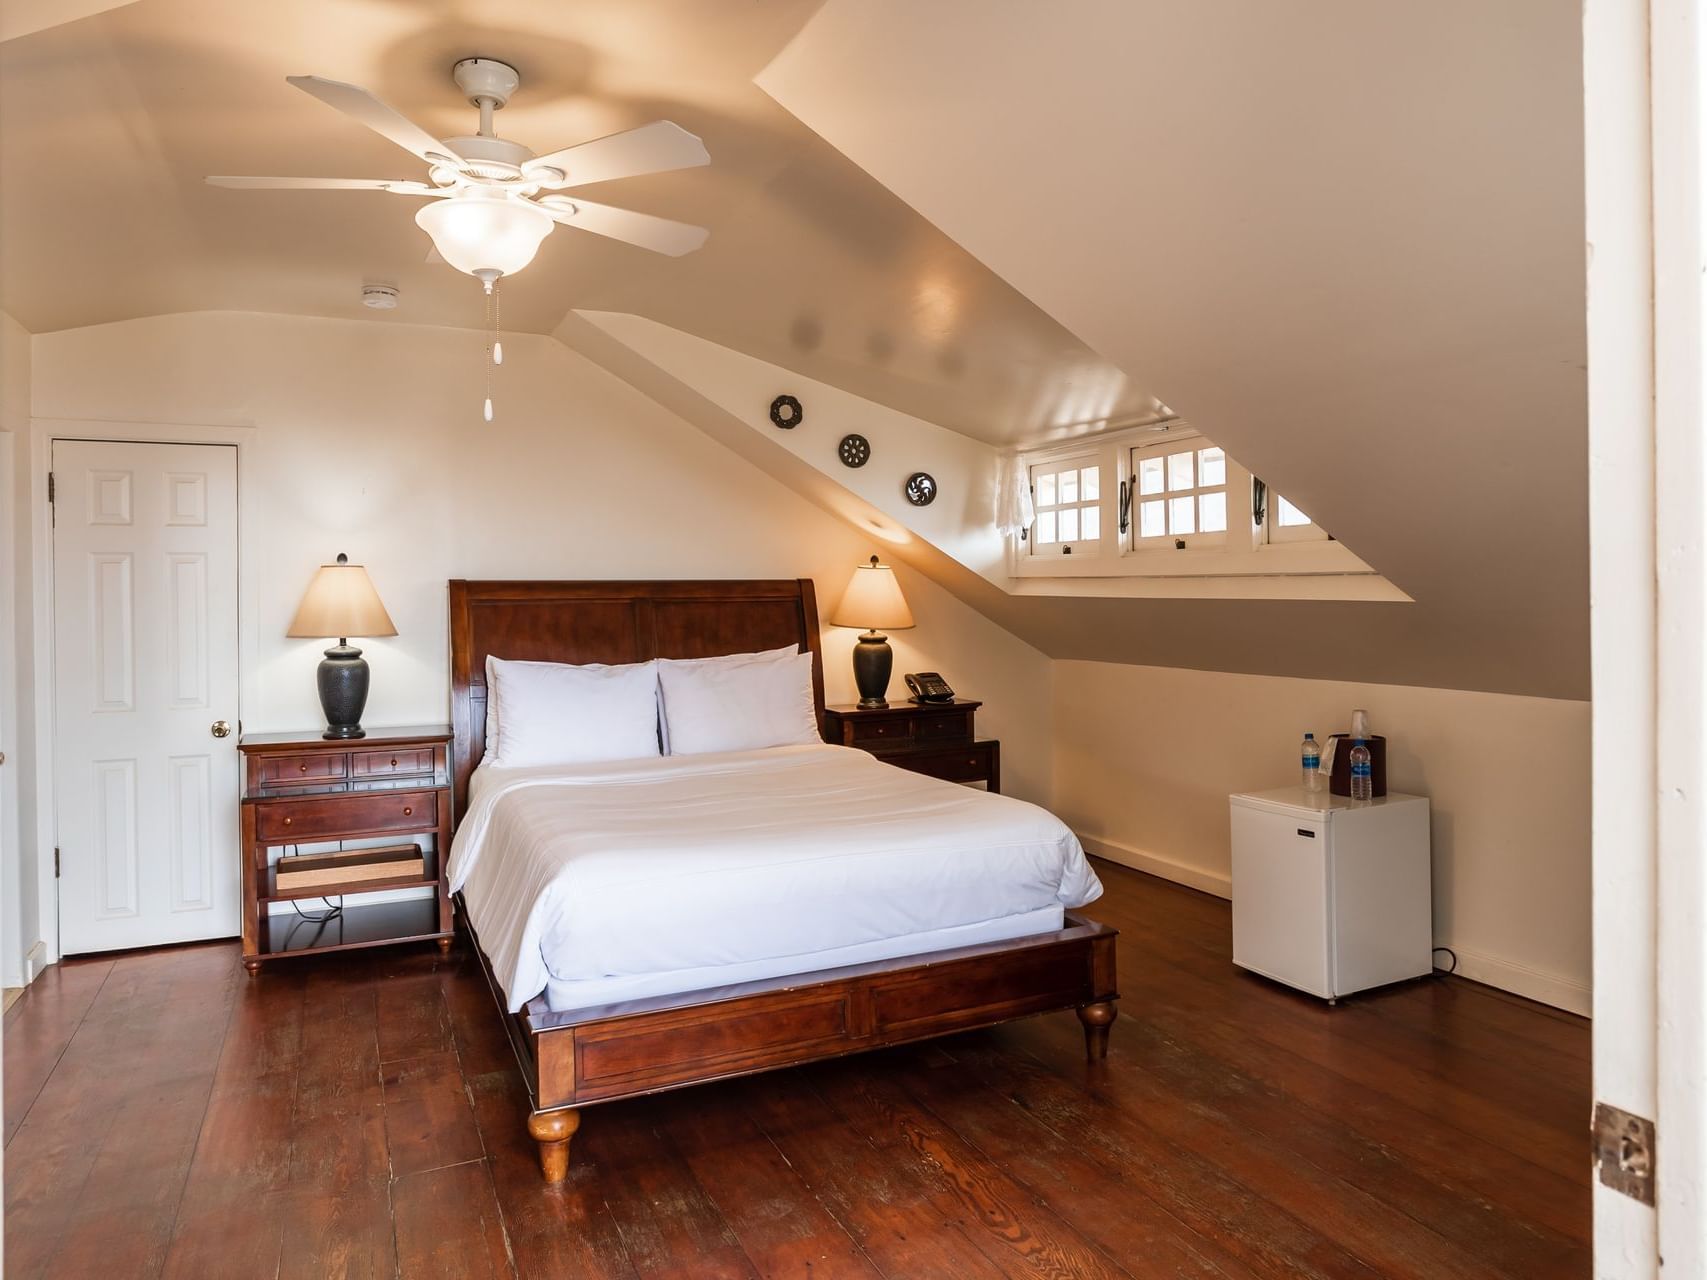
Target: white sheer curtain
x=1014, y=510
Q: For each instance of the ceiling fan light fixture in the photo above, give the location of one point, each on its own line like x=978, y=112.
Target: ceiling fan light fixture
x=485, y=236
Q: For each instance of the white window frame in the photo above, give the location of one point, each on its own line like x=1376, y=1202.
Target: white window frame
x=1234, y=482
x=1246, y=550
x=1056, y=463
x=1275, y=533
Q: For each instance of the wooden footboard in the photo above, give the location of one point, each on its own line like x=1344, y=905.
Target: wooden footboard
x=572, y=1060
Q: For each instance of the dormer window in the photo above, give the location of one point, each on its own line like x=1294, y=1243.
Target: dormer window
x=1181, y=495
x=1067, y=494
x=1164, y=502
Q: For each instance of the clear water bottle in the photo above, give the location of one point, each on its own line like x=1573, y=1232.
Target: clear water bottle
x=1362, y=774
x=1311, y=754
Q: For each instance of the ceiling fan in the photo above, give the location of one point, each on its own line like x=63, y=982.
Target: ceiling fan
x=493, y=201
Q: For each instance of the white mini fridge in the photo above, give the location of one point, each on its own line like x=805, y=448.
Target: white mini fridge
x=1331, y=897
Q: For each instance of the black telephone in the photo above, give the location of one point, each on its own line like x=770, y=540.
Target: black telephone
x=928, y=686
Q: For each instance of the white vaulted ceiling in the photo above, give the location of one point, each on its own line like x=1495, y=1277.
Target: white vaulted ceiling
x=109, y=122
x=1344, y=239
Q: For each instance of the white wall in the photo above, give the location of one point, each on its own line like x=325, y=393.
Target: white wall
x=961, y=523
x=19, y=923
x=368, y=439
x=1145, y=758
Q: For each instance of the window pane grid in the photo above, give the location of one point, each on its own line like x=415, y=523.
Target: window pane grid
x=1065, y=499
x=1181, y=492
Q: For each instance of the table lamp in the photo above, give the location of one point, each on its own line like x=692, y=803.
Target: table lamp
x=341, y=602
x=873, y=599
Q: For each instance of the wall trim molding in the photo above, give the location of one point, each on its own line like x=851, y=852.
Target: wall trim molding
x=1211, y=882
x=1553, y=989
x=1569, y=994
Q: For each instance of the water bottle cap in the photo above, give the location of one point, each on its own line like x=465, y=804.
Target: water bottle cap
x=1309, y=737
x=1360, y=743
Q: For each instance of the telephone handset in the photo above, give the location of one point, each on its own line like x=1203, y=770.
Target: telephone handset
x=928, y=686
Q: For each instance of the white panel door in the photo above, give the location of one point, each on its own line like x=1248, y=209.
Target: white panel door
x=145, y=669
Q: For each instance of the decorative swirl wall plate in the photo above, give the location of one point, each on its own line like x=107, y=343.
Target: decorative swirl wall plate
x=921, y=489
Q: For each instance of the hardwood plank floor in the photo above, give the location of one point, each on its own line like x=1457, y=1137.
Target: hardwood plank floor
x=361, y=1115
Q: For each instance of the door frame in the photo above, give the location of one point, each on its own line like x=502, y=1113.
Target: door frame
x=43, y=433
x=12, y=943
x=1645, y=124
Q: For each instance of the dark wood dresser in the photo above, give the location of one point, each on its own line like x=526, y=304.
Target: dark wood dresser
x=934, y=738
x=301, y=789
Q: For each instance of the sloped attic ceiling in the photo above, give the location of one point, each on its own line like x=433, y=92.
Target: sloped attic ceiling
x=1344, y=239
x=109, y=122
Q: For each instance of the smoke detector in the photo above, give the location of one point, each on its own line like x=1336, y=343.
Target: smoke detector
x=381, y=297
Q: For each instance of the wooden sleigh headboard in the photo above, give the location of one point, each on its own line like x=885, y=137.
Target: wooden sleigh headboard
x=612, y=622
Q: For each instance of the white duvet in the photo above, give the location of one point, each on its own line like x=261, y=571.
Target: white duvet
x=737, y=862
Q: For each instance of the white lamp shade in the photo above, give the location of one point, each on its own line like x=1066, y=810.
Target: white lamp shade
x=873, y=601
x=484, y=234
x=341, y=602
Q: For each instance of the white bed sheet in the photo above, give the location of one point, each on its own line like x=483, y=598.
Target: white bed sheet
x=604, y=882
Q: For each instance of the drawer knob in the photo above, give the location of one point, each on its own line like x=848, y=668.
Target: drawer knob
x=287, y=822
x=407, y=811
x=393, y=762
x=303, y=766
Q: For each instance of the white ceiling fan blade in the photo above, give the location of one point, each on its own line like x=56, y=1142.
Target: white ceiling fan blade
x=327, y=184
x=653, y=148
x=357, y=102
x=660, y=235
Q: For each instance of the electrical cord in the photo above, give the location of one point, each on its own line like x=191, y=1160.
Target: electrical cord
x=332, y=912
x=1449, y=951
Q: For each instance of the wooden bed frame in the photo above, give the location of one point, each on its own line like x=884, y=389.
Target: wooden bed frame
x=574, y=1059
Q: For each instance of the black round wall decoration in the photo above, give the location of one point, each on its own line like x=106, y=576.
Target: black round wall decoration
x=921, y=489
x=786, y=412
x=854, y=450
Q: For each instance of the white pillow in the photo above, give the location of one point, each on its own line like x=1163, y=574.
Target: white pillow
x=722, y=660
x=552, y=713
x=739, y=703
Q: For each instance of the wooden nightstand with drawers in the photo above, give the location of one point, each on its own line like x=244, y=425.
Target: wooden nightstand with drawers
x=387, y=790
x=934, y=738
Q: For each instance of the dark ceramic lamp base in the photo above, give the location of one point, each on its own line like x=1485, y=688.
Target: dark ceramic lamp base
x=873, y=660
x=342, y=677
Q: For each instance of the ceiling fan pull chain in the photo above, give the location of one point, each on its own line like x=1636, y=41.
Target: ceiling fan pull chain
x=497, y=322
x=488, y=407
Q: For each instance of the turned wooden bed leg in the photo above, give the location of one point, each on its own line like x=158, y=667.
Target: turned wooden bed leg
x=552, y=1130
x=1097, y=1018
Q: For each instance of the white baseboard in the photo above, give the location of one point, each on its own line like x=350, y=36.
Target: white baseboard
x=1508, y=975
x=1214, y=882
x=1522, y=980
x=34, y=962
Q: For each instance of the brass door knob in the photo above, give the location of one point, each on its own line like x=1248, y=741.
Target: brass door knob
x=220, y=729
